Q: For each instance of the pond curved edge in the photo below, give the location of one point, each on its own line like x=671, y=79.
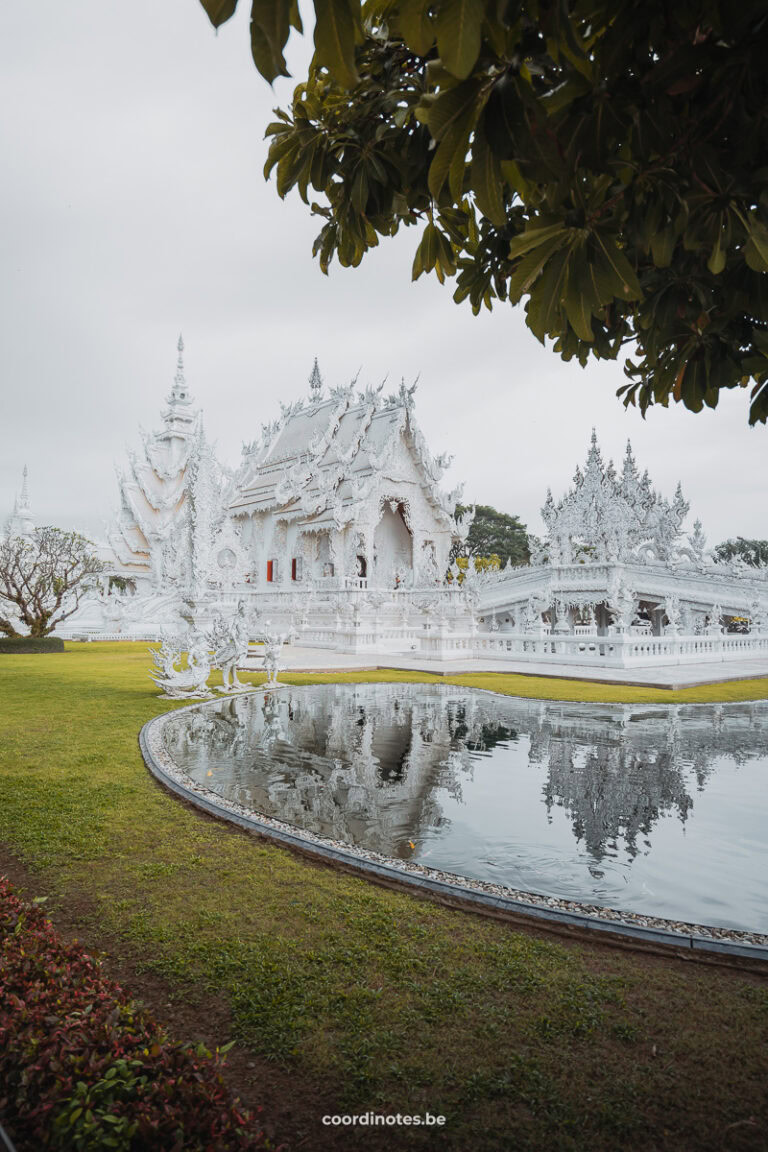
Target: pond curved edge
x=459, y=895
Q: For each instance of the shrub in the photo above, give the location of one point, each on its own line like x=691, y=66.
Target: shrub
x=83, y=1068
x=25, y=644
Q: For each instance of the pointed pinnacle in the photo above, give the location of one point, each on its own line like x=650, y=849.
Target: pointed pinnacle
x=315, y=379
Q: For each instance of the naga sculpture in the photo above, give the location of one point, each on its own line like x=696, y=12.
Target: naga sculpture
x=188, y=683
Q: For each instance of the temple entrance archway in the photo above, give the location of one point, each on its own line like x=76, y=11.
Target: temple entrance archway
x=392, y=541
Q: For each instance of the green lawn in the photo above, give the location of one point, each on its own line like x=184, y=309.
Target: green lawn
x=356, y=995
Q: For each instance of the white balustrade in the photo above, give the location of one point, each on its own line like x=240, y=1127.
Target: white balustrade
x=620, y=651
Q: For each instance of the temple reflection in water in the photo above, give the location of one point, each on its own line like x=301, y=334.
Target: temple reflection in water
x=425, y=771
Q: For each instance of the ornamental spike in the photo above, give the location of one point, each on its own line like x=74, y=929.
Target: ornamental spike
x=315, y=381
x=179, y=378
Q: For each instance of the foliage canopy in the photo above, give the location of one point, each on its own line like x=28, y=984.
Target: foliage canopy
x=498, y=534
x=606, y=161
x=43, y=578
x=752, y=552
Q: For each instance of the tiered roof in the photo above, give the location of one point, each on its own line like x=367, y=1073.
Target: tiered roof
x=320, y=460
x=614, y=516
x=153, y=487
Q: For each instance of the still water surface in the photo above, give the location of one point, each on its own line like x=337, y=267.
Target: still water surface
x=661, y=810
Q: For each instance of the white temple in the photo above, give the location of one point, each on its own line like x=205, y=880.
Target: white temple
x=334, y=527
x=342, y=491
x=618, y=583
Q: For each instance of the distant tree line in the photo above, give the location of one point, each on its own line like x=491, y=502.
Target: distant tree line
x=752, y=552
x=494, y=534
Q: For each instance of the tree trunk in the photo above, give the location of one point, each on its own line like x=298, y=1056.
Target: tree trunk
x=40, y=626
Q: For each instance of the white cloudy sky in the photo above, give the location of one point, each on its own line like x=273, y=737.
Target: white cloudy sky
x=132, y=205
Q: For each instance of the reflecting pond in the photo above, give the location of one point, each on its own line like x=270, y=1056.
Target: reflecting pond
x=657, y=809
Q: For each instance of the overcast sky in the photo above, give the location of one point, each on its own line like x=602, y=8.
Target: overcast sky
x=133, y=206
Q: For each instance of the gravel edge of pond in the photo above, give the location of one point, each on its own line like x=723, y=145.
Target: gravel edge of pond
x=680, y=934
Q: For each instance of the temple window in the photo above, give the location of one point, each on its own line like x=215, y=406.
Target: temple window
x=271, y=571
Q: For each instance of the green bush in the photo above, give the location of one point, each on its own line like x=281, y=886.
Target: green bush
x=84, y=1069
x=24, y=645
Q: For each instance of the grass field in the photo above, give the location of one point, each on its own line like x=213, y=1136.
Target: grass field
x=346, y=997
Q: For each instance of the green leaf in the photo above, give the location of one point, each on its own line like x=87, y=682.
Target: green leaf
x=663, y=246
x=546, y=302
x=565, y=94
x=416, y=26
x=269, y=65
x=458, y=35
x=294, y=18
x=427, y=251
x=579, y=297
x=270, y=27
x=359, y=194
x=716, y=262
x=485, y=176
x=532, y=237
x=279, y=148
x=219, y=11
x=756, y=249
x=530, y=266
x=335, y=34
x=442, y=112
x=451, y=153
x=615, y=265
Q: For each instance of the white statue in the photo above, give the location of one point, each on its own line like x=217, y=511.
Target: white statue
x=673, y=613
x=623, y=605
x=188, y=683
x=273, y=644
x=230, y=645
x=715, y=626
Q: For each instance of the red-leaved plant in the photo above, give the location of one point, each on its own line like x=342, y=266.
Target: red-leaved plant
x=83, y=1068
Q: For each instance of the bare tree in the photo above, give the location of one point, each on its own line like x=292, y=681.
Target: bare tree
x=43, y=578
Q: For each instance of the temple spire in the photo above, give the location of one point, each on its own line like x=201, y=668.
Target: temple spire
x=180, y=394
x=180, y=417
x=24, y=500
x=315, y=382
x=594, y=457
x=179, y=380
x=20, y=522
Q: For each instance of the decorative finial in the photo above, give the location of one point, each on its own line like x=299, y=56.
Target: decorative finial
x=179, y=377
x=24, y=488
x=593, y=456
x=315, y=382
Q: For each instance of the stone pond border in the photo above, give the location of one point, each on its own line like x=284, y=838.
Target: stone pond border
x=694, y=941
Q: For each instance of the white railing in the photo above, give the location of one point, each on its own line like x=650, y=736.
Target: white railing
x=652, y=580
x=620, y=651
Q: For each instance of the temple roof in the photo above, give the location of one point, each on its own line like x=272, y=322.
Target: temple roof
x=314, y=463
x=613, y=516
